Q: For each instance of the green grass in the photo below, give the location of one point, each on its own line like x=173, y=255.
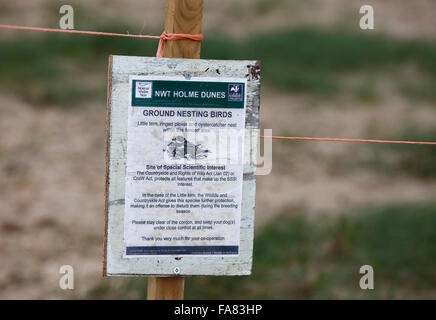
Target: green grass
x=302, y=258
x=418, y=161
x=312, y=61
x=297, y=257
x=390, y=160
x=49, y=69
x=52, y=70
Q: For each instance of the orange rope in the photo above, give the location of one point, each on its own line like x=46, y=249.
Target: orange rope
x=175, y=36
x=162, y=38
x=349, y=140
x=197, y=37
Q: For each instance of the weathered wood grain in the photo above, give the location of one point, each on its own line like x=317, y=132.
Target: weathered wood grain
x=183, y=16
x=161, y=288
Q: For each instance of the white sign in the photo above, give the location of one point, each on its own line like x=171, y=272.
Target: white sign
x=180, y=186
x=184, y=170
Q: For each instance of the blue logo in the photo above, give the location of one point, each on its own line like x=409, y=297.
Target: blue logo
x=236, y=91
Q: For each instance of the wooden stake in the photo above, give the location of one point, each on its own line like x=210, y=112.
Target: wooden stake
x=168, y=288
x=182, y=16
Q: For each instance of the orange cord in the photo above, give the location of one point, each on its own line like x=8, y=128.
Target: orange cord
x=162, y=38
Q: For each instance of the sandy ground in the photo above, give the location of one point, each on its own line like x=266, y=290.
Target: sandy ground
x=52, y=182
x=52, y=161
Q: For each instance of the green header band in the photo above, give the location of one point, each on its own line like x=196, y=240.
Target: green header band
x=188, y=94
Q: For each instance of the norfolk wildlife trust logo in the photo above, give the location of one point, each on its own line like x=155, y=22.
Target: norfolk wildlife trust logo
x=144, y=89
x=235, y=92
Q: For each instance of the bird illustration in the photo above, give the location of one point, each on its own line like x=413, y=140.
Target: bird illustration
x=180, y=148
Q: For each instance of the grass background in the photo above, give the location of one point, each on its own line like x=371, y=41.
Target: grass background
x=305, y=60
x=319, y=257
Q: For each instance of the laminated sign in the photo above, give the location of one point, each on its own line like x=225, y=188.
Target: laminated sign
x=181, y=153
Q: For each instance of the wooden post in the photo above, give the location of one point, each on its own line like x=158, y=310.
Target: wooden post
x=165, y=288
x=182, y=16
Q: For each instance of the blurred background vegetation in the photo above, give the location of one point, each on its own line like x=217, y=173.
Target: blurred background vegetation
x=324, y=211
x=303, y=60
